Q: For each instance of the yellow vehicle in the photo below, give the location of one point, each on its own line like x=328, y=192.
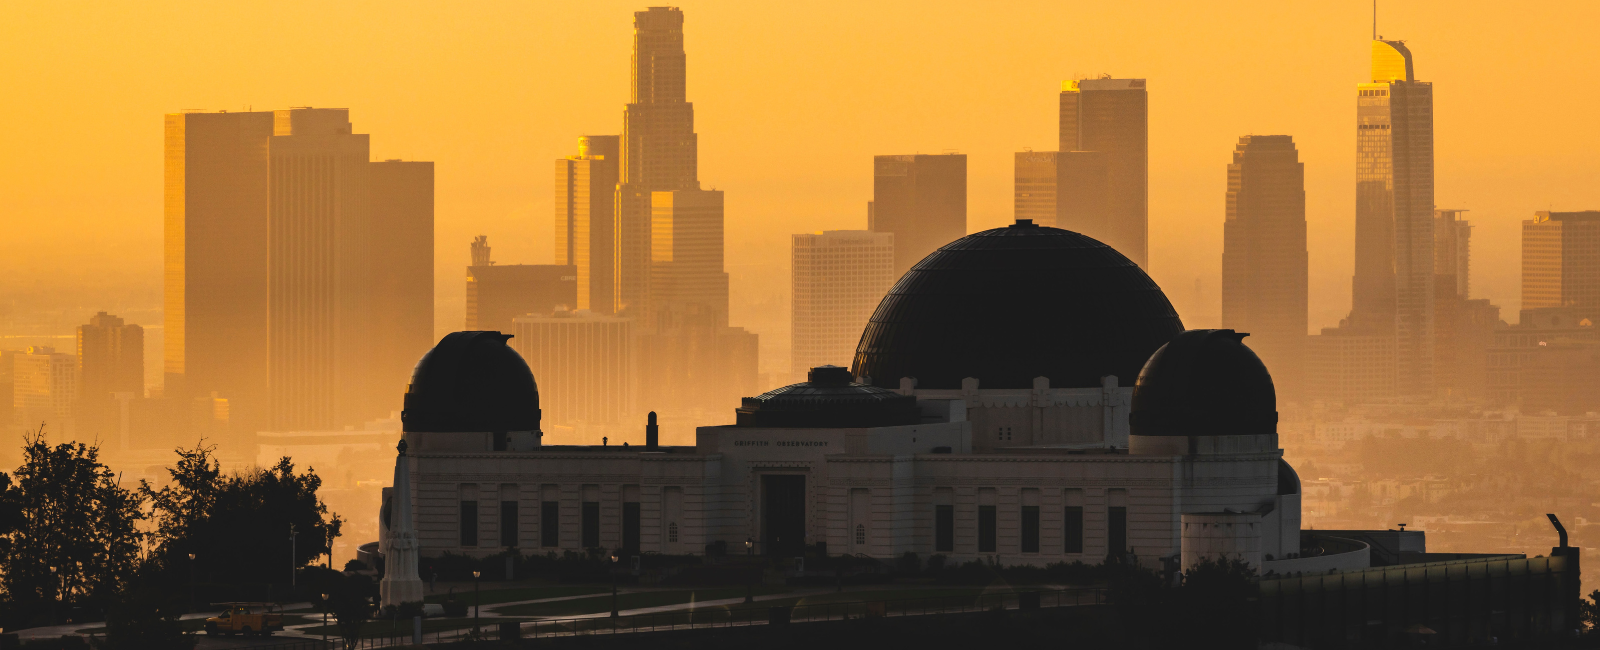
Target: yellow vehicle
x=246, y=619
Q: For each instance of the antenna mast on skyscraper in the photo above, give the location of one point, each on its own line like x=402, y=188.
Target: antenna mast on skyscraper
x=1374, y=20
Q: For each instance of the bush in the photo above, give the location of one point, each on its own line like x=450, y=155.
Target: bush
x=355, y=565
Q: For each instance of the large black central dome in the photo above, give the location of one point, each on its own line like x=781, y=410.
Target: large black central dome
x=1014, y=303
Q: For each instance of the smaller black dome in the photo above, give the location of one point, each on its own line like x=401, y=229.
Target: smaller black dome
x=472, y=381
x=829, y=398
x=1204, y=383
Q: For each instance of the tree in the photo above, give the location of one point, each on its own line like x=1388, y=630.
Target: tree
x=238, y=525
x=1589, y=611
x=74, y=538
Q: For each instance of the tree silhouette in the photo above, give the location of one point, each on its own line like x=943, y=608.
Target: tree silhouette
x=72, y=540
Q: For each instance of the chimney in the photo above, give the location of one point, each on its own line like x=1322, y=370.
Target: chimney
x=652, y=433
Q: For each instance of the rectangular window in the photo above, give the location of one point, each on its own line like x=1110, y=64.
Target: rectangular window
x=508, y=523
x=986, y=529
x=591, y=524
x=1072, y=529
x=1117, y=530
x=469, y=523
x=1030, y=529
x=550, y=523
x=630, y=527
x=944, y=529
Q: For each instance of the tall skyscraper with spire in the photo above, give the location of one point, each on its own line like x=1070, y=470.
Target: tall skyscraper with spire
x=668, y=239
x=659, y=146
x=1392, y=291
x=1386, y=347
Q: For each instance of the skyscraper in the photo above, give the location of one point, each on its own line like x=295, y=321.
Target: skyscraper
x=1034, y=188
x=296, y=268
x=45, y=388
x=920, y=199
x=839, y=277
x=658, y=145
x=498, y=293
x=402, y=282
x=1111, y=117
x=321, y=265
x=215, y=254
x=686, y=261
x=584, y=364
x=110, y=357
x=1561, y=262
x=1394, y=272
x=586, y=187
x=1264, y=260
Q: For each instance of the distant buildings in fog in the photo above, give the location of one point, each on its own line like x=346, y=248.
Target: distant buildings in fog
x=586, y=186
x=643, y=242
x=496, y=294
x=292, y=264
x=921, y=200
x=838, y=278
x=1264, y=261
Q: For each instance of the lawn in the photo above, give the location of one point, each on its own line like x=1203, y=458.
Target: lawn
x=515, y=594
x=388, y=627
x=636, y=600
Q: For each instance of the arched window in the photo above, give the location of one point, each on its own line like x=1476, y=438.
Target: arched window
x=672, y=533
x=861, y=534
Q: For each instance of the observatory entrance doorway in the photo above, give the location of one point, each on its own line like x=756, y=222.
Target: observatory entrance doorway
x=783, y=514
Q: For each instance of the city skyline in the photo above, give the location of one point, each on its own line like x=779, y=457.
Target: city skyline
x=1180, y=174
x=1161, y=308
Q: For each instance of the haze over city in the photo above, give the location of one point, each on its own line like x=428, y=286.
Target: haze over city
x=789, y=118
x=866, y=319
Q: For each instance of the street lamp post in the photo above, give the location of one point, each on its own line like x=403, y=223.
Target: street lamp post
x=475, y=575
x=613, y=584
x=749, y=580
x=191, y=583
x=57, y=604
x=324, y=618
x=291, y=559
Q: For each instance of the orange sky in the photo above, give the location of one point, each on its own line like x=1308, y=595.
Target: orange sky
x=791, y=103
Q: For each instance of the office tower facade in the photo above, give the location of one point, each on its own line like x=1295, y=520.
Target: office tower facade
x=498, y=293
x=1392, y=290
x=295, y=267
x=586, y=187
x=1461, y=333
x=584, y=363
x=110, y=357
x=215, y=258
x=922, y=201
x=402, y=281
x=1517, y=358
x=1561, y=262
x=659, y=145
x=1111, y=117
x=44, y=389
x=1034, y=187
x=686, y=261
x=321, y=267
x=1347, y=366
x=1264, y=263
x=839, y=277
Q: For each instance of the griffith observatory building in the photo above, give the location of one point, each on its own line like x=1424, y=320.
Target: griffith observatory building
x=1025, y=394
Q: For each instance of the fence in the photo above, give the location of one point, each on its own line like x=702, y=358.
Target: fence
x=781, y=611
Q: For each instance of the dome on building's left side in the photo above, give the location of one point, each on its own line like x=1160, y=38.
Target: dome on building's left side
x=472, y=381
